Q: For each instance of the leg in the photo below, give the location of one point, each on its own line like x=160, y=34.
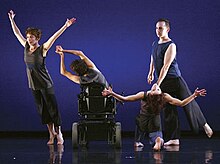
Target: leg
x=156, y=139
x=138, y=137
x=171, y=123
x=171, y=118
x=52, y=133
x=193, y=112
x=43, y=112
x=54, y=114
x=60, y=139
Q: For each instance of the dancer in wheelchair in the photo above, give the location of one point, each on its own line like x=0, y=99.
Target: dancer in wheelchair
x=85, y=70
x=149, y=121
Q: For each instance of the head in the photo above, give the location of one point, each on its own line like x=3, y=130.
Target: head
x=155, y=100
x=33, y=35
x=162, y=27
x=79, y=67
x=155, y=90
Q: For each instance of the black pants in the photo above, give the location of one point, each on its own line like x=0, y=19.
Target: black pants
x=47, y=106
x=178, y=88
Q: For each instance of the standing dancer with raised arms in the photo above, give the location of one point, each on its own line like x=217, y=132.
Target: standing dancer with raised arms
x=39, y=79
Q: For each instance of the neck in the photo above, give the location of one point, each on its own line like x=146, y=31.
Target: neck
x=33, y=47
x=164, y=39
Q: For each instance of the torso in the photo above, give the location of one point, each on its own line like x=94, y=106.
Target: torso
x=38, y=76
x=158, y=53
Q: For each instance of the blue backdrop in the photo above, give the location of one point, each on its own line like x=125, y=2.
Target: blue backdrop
x=117, y=35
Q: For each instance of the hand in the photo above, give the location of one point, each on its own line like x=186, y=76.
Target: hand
x=201, y=92
x=150, y=78
x=107, y=92
x=11, y=14
x=59, y=49
x=69, y=22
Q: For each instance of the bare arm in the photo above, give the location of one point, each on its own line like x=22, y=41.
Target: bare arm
x=168, y=58
x=64, y=72
x=53, y=38
x=135, y=97
x=15, y=29
x=150, y=76
x=80, y=54
x=177, y=102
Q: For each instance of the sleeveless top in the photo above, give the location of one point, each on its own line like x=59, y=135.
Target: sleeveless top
x=93, y=76
x=144, y=110
x=148, y=120
x=37, y=73
x=158, y=52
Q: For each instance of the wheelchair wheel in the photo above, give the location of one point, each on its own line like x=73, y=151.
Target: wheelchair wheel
x=75, y=135
x=118, y=135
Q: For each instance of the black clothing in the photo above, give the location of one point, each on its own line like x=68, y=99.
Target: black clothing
x=37, y=73
x=147, y=120
x=41, y=85
x=176, y=86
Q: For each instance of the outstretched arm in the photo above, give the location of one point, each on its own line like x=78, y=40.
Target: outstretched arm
x=177, y=102
x=53, y=38
x=80, y=54
x=15, y=28
x=135, y=97
x=168, y=59
x=64, y=72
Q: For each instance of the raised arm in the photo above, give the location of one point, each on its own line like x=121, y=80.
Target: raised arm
x=53, y=38
x=168, y=59
x=135, y=97
x=15, y=28
x=177, y=102
x=80, y=54
x=150, y=76
x=64, y=72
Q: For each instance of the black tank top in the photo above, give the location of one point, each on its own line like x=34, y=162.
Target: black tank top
x=37, y=73
x=158, y=52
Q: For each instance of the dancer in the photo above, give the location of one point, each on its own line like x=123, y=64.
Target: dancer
x=164, y=63
x=86, y=71
x=39, y=79
x=149, y=118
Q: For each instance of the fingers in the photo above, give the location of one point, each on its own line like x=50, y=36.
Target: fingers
x=201, y=92
x=73, y=20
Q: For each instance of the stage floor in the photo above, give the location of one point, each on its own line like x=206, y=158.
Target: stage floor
x=35, y=151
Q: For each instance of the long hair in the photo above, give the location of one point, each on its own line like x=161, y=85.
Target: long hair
x=154, y=102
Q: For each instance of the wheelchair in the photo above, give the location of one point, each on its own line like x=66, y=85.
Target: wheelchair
x=96, y=118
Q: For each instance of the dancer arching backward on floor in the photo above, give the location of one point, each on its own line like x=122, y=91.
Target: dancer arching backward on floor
x=39, y=79
x=149, y=121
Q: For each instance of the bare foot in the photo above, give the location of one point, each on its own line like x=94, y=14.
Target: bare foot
x=208, y=130
x=158, y=144
x=60, y=139
x=172, y=142
x=51, y=140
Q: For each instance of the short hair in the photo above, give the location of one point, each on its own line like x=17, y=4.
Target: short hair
x=34, y=31
x=167, y=22
x=79, y=66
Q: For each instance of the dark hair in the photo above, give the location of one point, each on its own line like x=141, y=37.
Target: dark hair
x=34, y=31
x=79, y=66
x=154, y=102
x=167, y=22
